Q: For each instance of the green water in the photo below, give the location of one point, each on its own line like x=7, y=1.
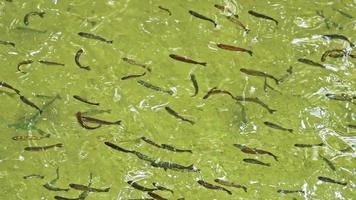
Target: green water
x=143, y=32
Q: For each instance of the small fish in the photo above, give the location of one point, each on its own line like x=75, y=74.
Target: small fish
x=309, y=145
x=26, y=20
x=252, y=72
x=213, y=187
x=151, y=142
x=26, y=62
x=328, y=162
x=214, y=90
x=171, y=148
x=95, y=37
x=254, y=161
x=28, y=102
x=329, y=180
x=195, y=84
x=133, y=62
x=33, y=176
x=259, y=15
x=77, y=58
x=338, y=36
x=226, y=9
x=32, y=30
x=85, y=100
x=7, y=43
x=290, y=191
x=343, y=13
x=255, y=100
x=50, y=63
x=4, y=84
x=156, y=196
x=50, y=187
x=43, y=148
x=186, y=60
x=99, y=121
x=276, y=126
x=82, y=124
x=334, y=53
x=140, y=187
x=340, y=97
x=176, y=115
x=236, y=21
x=159, y=187
x=195, y=14
x=230, y=184
x=117, y=148
x=86, y=188
x=249, y=150
x=165, y=9
x=173, y=166
x=310, y=62
x=29, y=137
x=154, y=87
x=233, y=48
x=133, y=76
x=65, y=198
x=351, y=126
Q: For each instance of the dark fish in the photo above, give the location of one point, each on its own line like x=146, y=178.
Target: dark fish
x=343, y=13
x=140, y=187
x=156, y=196
x=195, y=14
x=28, y=102
x=154, y=87
x=255, y=100
x=85, y=100
x=65, y=198
x=253, y=13
x=86, y=188
x=309, y=145
x=33, y=176
x=77, y=58
x=27, y=16
x=276, y=126
x=171, y=148
x=225, y=9
x=290, y=191
x=26, y=29
x=186, y=60
x=133, y=62
x=310, y=62
x=117, y=148
x=176, y=115
x=165, y=9
x=173, y=166
x=338, y=36
x=29, y=137
x=99, y=121
x=252, y=72
x=249, y=150
x=50, y=63
x=233, y=48
x=26, y=62
x=267, y=86
x=214, y=90
x=50, y=187
x=43, y=148
x=334, y=53
x=159, y=187
x=151, y=142
x=236, y=21
x=340, y=97
x=133, y=76
x=213, y=187
x=4, y=84
x=7, y=43
x=328, y=162
x=254, y=161
x=230, y=184
x=195, y=84
x=329, y=180
x=95, y=37
x=351, y=126
x=81, y=122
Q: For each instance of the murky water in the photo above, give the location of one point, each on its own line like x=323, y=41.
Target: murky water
x=316, y=101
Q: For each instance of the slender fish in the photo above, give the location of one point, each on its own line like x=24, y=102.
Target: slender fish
x=252, y=72
x=26, y=19
x=99, y=121
x=213, y=187
x=200, y=16
x=133, y=76
x=257, y=101
x=154, y=87
x=351, y=126
x=4, y=84
x=230, y=184
x=227, y=10
x=328, y=162
x=171, y=148
x=249, y=150
x=259, y=15
x=85, y=100
x=173, y=166
x=43, y=148
x=334, y=53
x=7, y=43
x=77, y=58
x=159, y=187
x=176, y=115
x=165, y=9
x=337, y=36
x=140, y=187
x=26, y=62
x=289, y=191
x=156, y=196
x=86, y=188
x=82, y=124
x=29, y=137
x=50, y=63
x=186, y=60
x=33, y=176
x=133, y=62
x=30, y=103
x=236, y=21
x=195, y=84
x=309, y=145
x=276, y=126
x=233, y=48
x=254, y=161
x=310, y=62
x=95, y=37
x=329, y=180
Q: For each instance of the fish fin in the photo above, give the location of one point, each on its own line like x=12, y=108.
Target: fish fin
x=203, y=63
x=290, y=130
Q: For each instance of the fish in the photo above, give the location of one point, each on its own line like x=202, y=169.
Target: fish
x=176, y=115
x=195, y=85
x=173, y=166
x=233, y=48
x=165, y=9
x=133, y=62
x=82, y=124
x=337, y=36
x=252, y=72
x=259, y=15
x=77, y=58
x=276, y=126
x=33, y=176
x=31, y=30
x=151, y=142
x=156, y=196
x=230, y=184
x=25, y=62
x=351, y=126
x=85, y=100
x=213, y=187
x=86, y=188
x=171, y=148
x=200, y=16
x=340, y=97
x=329, y=180
x=95, y=37
x=65, y=198
x=99, y=121
x=186, y=60
x=7, y=43
x=43, y=148
x=30, y=103
x=133, y=76
x=309, y=145
x=4, y=84
x=310, y=62
x=343, y=13
x=254, y=161
x=154, y=87
x=328, y=162
x=117, y=148
x=289, y=191
x=236, y=21
x=257, y=101
x=334, y=53
x=225, y=9
x=29, y=137
x=249, y=150
x=159, y=187
x=214, y=90
x=26, y=19
x=140, y=187
x=55, y=189
x=50, y=63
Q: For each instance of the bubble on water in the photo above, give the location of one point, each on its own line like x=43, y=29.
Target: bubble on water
x=21, y=158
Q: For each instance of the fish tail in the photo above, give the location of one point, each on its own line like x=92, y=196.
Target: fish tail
x=59, y=145
x=203, y=63
x=118, y=122
x=271, y=111
x=228, y=191
x=290, y=130
x=110, y=41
